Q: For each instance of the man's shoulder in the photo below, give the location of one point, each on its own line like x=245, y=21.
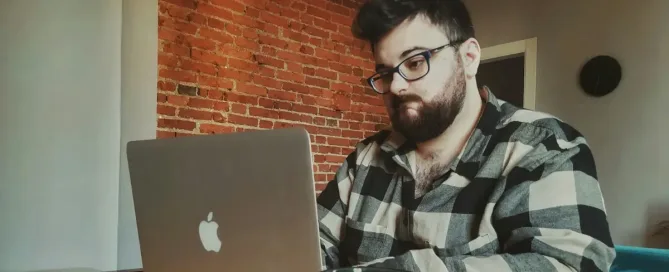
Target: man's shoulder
x=534, y=138
x=533, y=126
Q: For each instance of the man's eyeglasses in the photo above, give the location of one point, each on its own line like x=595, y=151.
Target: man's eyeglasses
x=411, y=69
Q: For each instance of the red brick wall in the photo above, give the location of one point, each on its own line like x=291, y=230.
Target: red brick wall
x=235, y=65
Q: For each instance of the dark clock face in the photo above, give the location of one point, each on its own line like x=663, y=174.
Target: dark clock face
x=600, y=76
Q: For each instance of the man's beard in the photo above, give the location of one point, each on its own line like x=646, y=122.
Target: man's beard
x=433, y=117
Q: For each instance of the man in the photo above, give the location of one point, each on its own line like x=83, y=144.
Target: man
x=463, y=181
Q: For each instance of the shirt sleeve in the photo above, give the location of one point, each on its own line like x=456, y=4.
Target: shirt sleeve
x=332, y=206
x=551, y=217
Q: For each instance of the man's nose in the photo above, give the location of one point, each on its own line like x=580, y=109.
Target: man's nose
x=398, y=84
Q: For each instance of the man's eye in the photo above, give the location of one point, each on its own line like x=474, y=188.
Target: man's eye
x=415, y=64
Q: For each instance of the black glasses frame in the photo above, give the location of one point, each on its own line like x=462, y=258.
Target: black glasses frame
x=426, y=54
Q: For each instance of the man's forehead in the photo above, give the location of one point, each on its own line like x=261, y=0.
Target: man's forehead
x=416, y=33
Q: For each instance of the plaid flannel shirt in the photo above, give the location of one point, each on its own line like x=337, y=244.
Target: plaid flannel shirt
x=522, y=195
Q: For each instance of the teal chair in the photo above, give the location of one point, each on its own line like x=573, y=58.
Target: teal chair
x=640, y=259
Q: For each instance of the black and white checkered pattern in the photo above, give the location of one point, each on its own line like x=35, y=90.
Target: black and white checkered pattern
x=522, y=196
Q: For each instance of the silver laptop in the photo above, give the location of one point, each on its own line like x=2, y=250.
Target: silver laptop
x=232, y=202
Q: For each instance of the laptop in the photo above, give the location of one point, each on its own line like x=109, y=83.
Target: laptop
x=231, y=202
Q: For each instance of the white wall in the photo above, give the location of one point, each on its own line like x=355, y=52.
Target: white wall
x=61, y=108
x=138, y=115
x=60, y=70
x=627, y=129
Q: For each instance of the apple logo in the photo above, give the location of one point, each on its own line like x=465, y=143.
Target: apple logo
x=209, y=234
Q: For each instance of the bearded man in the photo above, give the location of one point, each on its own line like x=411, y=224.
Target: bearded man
x=462, y=181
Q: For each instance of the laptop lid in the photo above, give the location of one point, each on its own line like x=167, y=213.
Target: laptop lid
x=231, y=202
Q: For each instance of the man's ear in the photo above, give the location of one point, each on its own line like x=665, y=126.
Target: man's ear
x=470, y=52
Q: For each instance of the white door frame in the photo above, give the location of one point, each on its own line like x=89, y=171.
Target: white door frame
x=527, y=47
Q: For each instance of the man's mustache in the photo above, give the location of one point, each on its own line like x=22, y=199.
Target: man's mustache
x=399, y=99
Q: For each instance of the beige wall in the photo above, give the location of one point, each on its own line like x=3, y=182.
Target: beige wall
x=626, y=128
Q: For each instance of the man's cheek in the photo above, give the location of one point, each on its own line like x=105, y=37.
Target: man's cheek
x=431, y=85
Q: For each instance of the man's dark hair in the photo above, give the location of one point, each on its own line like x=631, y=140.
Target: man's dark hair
x=376, y=18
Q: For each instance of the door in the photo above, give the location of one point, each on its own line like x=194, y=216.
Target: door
x=510, y=71
x=505, y=77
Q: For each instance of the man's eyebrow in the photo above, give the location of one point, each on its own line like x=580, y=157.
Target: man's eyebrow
x=410, y=50
x=404, y=54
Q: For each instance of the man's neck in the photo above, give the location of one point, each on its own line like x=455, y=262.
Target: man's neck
x=453, y=139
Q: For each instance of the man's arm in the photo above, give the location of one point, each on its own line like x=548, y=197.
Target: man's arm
x=332, y=207
x=550, y=218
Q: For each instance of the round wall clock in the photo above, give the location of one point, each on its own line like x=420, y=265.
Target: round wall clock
x=600, y=76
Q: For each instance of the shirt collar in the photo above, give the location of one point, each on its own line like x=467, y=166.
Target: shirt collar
x=470, y=157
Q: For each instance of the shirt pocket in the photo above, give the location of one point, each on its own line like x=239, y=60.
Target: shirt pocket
x=485, y=244
x=364, y=242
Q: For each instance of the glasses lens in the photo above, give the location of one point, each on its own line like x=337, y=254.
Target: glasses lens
x=381, y=82
x=414, y=67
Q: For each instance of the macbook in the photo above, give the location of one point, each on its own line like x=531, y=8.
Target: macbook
x=230, y=202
